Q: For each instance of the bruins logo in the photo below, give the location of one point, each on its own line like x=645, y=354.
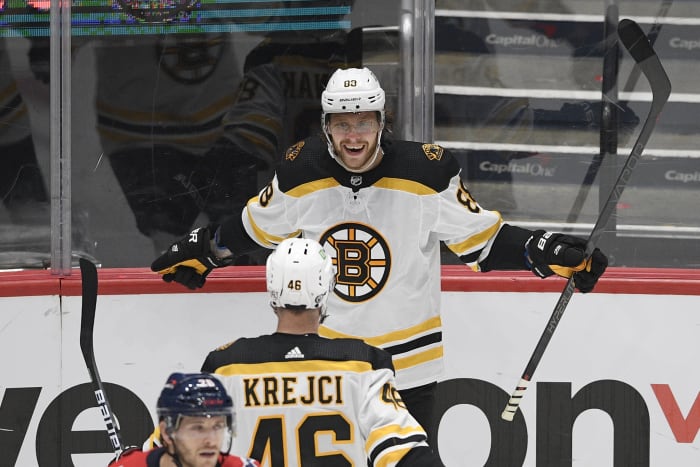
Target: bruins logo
x=294, y=151
x=186, y=59
x=361, y=258
x=433, y=152
x=225, y=346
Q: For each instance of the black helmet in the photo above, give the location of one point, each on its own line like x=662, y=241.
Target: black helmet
x=194, y=395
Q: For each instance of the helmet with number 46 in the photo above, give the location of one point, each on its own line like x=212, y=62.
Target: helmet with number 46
x=300, y=275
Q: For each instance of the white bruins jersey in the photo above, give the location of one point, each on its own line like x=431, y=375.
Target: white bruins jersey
x=176, y=92
x=382, y=229
x=304, y=400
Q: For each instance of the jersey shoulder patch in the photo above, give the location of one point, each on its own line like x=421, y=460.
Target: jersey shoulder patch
x=433, y=151
x=303, y=162
x=425, y=163
x=225, y=346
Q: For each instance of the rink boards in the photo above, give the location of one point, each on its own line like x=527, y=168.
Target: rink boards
x=615, y=387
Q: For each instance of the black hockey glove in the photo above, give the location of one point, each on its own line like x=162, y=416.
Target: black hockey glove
x=190, y=260
x=554, y=253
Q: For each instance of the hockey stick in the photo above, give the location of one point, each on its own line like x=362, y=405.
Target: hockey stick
x=608, y=117
x=652, y=35
x=642, y=52
x=88, y=274
x=632, y=79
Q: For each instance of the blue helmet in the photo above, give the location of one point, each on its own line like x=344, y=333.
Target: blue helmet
x=194, y=395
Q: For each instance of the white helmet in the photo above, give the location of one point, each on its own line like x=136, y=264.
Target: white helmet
x=300, y=275
x=352, y=90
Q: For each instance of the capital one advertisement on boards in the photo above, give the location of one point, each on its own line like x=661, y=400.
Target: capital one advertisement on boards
x=618, y=384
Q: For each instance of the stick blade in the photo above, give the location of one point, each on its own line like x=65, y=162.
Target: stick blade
x=88, y=274
x=642, y=51
x=634, y=40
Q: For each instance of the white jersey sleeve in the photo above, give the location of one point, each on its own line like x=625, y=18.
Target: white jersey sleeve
x=383, y=230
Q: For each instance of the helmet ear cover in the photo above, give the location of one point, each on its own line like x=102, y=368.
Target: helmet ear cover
x=300, y=275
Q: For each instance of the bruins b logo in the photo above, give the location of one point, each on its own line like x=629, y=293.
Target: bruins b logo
x=361, y=258
x=433, y=152
x=294, y=151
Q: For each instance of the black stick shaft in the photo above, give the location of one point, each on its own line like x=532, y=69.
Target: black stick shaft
x=609, y=114
x=637, y=44
x=88, y=273
x=608, y=139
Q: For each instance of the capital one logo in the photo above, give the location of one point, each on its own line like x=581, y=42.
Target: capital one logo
x=361, y=258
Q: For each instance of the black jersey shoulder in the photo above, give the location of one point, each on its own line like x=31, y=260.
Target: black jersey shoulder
x=276, y=348
x=428, y=164
x=304, y=162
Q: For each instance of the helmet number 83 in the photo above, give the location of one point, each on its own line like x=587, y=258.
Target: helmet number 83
x=350, y=83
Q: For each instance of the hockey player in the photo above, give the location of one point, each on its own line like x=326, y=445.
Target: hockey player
x=380, y=207
x=196, y=420
x=305, y=400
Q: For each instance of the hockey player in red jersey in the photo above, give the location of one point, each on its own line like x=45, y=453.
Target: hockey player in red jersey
x=196, y=424
x=380, y=207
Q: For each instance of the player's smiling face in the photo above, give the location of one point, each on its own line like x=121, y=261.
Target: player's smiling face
x=354, y=137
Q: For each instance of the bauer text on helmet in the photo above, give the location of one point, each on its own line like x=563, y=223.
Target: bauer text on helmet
x=353, y=90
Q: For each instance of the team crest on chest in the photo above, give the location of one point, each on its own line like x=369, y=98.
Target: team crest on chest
x=433, y=152
x=294, y=151
x=361, y=258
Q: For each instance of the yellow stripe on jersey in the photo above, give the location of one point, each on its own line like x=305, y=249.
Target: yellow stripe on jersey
x=391, y=458
x=195, y=138
x=308, y=188
x=254, y=138
x=475, y=241
x=16, y=114
x=379, y=341
x=218, y=107
x=153, y=441
x=264, y=120
x=401, y=184
x=293, y=366
x=267, y=240
x=8, y=92
x=378, y=435
x=420, y=357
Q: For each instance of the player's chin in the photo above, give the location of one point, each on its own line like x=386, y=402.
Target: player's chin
x=354, y=162
x=207, y=458
x=355, y=159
